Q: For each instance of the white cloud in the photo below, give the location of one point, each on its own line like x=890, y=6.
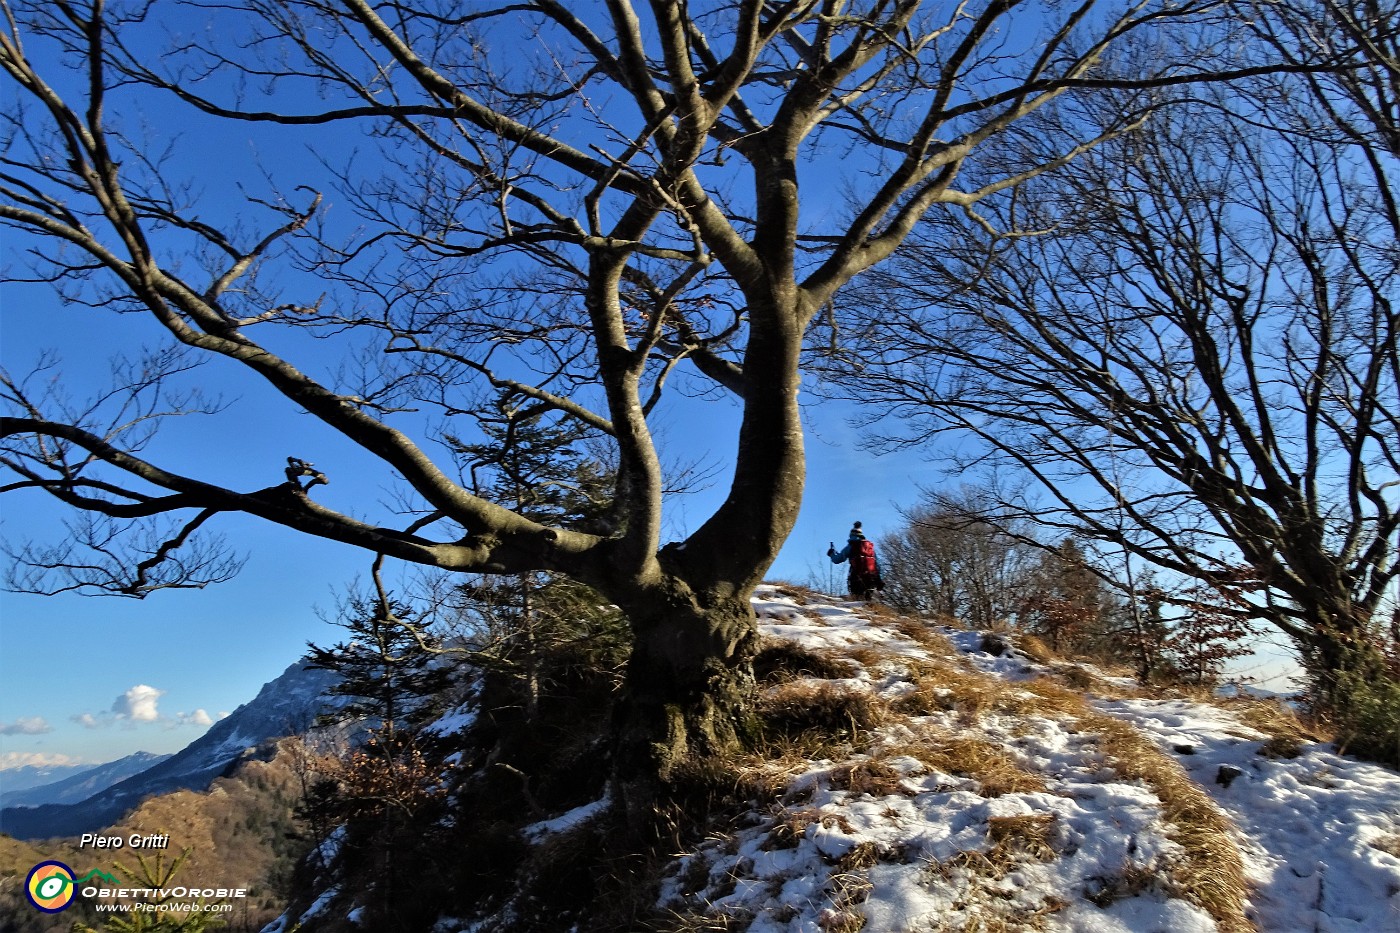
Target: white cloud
x=26, y=725
x=11, y=760
x=198, y=718
x=138, y=704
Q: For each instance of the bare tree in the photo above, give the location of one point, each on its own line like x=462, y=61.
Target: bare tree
x=1359, y=106
x=1198, y=366
x=571, y=208
x=1355, y=110
x=951, y=558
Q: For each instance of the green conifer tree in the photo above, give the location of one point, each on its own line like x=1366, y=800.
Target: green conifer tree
x=391, y=672
x=539, y=467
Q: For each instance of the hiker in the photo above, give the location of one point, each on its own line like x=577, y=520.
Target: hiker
x=864, y=577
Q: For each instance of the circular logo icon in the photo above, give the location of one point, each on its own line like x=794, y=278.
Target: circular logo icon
x=50, y=887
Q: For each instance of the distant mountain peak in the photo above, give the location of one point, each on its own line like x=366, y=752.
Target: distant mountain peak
x=286, y=705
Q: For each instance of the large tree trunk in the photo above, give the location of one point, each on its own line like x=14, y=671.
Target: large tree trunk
x=690, y=679
x=688, y=695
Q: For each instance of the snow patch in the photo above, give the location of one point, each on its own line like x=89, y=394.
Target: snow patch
x=566, y=821
x=454, y=721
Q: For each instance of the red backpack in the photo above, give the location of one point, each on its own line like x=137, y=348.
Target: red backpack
x=864, y=559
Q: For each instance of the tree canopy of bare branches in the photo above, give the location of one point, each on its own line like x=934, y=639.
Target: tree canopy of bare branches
x=575, y=207
x=950, y=559
x=1197, y=356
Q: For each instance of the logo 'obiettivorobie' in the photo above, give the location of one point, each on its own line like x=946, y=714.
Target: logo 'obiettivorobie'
x=50, y=885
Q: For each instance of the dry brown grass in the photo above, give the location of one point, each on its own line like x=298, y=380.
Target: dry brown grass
x=989, y=920
x=765, y=775
x=1028, y=835
x=870, y=658
x=1054, y=697
x=763, y=772
x=730, y=783
x=798, y=592
x=989, y=764
x=701, y=922
x=1281, y=746
x=1211, y=873
x=1035, y=649
x=826, y=710
x=1077, y=677
x=1389, y=844
x=943, y=686
x=995, y=771
x=1131, y=881
x=778, y=660
x=1074, y=676
x=918, y=632
x=1285, y=729
x=1277, y=720
x=1014, y=840
x=928, y=696
x=862, y=856
x=871, y=776
x=800, y=720
x=789, y=826
x=849, y=889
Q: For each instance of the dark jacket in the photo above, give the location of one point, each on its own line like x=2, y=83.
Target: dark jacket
x=852, y=545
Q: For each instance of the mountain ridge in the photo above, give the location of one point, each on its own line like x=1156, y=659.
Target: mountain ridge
x=75, y=788
x=286, y=705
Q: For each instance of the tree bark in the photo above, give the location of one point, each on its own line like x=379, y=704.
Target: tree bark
x=688, y=694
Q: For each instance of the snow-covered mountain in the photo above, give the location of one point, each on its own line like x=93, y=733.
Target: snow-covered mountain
x=287, y=705
x=77, y=787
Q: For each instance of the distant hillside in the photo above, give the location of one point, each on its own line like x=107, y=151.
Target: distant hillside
x=16, y=859
x=23, y=778
x=239, y=833
x=75, y=788
x=285, y=706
